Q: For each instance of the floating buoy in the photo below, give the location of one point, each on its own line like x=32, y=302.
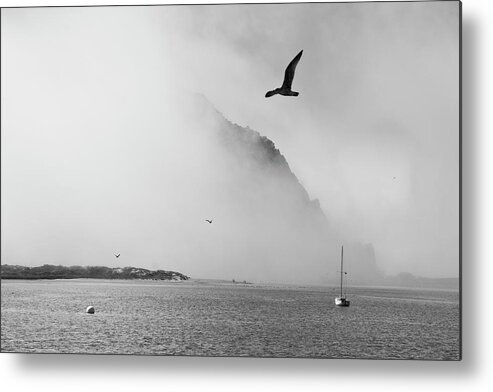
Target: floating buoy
x=90, y=310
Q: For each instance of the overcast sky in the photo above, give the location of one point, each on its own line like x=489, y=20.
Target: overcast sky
x=89, y=97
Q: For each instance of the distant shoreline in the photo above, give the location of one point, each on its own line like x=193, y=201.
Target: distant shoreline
x=52, y=272
x=47, y=271
x=330, y=288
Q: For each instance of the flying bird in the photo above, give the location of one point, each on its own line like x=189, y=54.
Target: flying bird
x=118, y=255
x=209, y=220
x=285, y=89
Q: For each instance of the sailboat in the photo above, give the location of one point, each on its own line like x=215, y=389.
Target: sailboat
x=342, y=300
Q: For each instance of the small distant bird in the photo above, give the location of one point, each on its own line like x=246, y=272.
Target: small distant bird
x=285, y=89
x=118, y=255
x=209, y=220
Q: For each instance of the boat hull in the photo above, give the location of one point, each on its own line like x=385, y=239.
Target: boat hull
x=341, y=301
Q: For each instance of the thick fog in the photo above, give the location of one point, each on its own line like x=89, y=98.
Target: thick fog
x=107, y=148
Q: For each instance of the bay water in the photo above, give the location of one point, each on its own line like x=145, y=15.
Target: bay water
x=208, y=318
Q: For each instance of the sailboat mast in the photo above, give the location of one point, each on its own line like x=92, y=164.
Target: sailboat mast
x=342, y=257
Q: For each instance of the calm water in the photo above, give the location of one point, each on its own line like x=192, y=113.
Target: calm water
x=214, y=319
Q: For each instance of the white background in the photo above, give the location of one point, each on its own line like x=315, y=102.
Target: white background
x=473, y=373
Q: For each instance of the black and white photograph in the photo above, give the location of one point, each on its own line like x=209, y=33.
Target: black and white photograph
x=232, y=180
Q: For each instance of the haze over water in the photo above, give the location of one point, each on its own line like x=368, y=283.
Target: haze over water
x=100, y=154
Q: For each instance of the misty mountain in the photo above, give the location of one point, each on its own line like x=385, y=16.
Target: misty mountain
x=271, y=229
x=256, y=157
x=282, y=233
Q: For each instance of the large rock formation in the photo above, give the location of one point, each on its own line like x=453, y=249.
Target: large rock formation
x=270, y=229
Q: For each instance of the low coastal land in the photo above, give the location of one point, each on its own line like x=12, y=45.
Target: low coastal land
x=93, y=272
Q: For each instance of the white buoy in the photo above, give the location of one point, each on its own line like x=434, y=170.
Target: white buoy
x=90, y=310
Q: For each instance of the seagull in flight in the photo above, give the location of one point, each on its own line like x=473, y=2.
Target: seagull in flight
x=285, y=89
x=208, y=220
x=118, y=255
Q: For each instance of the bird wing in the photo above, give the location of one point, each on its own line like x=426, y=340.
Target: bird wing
x=289, y=73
